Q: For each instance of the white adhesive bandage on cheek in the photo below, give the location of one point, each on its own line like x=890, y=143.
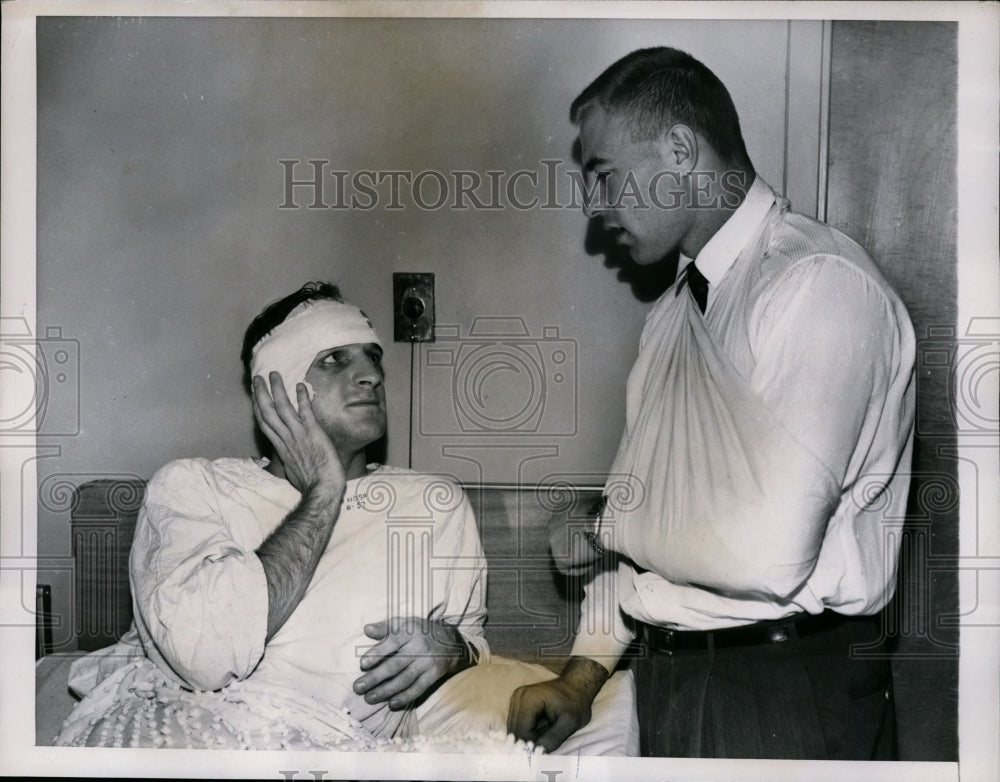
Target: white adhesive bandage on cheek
x=291, y=347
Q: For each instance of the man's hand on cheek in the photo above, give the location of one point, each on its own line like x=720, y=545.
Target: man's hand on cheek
x=308, y=455
x=411, y=655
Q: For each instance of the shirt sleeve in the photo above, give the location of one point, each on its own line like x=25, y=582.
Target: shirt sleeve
x=825, y=340
x=460, y=575
x=200, y=594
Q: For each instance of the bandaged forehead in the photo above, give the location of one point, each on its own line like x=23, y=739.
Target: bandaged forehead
x=314, y=326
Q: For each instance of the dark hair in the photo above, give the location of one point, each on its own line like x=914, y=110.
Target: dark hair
x=275, y=313
x=660, y=87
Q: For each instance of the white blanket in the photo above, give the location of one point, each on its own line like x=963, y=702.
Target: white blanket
x=136, y=706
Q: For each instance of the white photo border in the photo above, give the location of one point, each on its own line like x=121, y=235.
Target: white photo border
x=978, y=297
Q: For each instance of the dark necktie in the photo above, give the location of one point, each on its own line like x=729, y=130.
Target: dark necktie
x=698, y=284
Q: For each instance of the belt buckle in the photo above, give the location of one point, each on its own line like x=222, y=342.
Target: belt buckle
x=660, y=640
x=778, y=634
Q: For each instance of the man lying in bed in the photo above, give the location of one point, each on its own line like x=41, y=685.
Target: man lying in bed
x=281, y=603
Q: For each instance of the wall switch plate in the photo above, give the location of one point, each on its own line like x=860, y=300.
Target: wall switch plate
x=413, y=307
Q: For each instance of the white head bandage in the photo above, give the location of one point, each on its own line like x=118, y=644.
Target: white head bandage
x=291, y=347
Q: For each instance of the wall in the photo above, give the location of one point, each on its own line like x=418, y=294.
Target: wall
x=160, y=232
x=892, y=187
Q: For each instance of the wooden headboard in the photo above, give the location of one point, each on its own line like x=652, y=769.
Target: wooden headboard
x=533, y=608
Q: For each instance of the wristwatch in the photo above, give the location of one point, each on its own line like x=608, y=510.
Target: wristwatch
x=592, y=536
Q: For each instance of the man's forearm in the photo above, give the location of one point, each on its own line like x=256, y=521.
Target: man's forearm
x=585, y=675
x=292, y=551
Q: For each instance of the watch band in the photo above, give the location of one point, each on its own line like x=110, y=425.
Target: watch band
x=593, y=536
x=595, y=544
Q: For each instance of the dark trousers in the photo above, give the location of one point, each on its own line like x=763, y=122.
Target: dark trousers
x=823, y=696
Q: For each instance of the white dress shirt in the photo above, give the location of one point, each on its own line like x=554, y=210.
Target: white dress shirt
x=804, y=322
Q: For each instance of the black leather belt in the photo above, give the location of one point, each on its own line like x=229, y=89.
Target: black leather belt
x=660, y=640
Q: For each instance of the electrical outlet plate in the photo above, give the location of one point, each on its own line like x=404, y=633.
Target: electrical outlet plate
x=413, y=307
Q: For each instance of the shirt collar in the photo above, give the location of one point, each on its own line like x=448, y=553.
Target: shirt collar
x=721, y=251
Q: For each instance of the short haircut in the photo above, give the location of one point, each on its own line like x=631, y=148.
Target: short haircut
x=659, y=87
x=274, y=314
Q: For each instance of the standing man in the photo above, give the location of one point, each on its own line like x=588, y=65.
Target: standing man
x=769, y=422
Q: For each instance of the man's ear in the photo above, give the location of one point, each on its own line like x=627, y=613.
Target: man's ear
x=679, y=148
